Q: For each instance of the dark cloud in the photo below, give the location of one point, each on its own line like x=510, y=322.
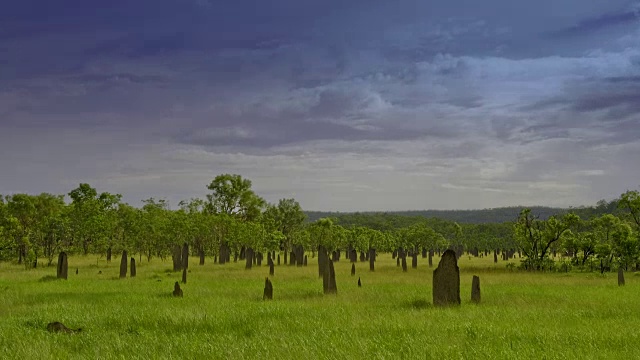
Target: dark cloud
x=629, y=100
x=623, y=79
x=392, y=96
x=536, y=133
x=253, y=130
x=469, y=102
x=594, y=111
x=619, y=96
x=554, y=102
x=115, y=78
x=600, y=23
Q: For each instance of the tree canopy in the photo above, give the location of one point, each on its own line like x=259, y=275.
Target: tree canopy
x=232, y=219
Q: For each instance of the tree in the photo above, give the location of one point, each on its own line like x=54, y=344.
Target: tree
x=450, y=230
x=586, y=242
x=630, y=201
x=193, y=206
x=625, y=245
x=232, y=195
x=9, y=229
x=420, y=235
x=22, y=207
x=252, y=237
x=156, y=225
x=199, y=224
x=220, y=235
x=536, y=236
x=489, y=236
x=604, y=230
x=327, y=237
x=52, y=227
x=288, y=219
x=358, y=238
x=89, y=217
x=129, y=230
x=109, y=206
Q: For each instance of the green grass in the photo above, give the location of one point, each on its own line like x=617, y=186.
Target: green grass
x=222, y=315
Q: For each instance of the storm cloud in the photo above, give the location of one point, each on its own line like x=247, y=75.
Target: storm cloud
x=359, y=105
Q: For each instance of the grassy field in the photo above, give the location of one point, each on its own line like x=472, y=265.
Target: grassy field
x=222, y=315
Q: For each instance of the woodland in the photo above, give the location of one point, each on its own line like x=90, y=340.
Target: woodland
x=231, y=220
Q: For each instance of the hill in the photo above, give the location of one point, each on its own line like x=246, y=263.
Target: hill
x=480, y=216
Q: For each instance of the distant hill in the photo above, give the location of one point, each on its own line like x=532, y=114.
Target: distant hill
x=496, y=215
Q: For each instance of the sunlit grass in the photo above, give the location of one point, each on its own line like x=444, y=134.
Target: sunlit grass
x=222, y=315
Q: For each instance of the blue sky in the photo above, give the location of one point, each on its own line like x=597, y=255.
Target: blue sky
x=343, y=105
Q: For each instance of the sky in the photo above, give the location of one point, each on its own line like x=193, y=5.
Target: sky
x=355, y=105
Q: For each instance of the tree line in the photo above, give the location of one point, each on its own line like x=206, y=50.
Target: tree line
x=232, y=222
x=393, y=219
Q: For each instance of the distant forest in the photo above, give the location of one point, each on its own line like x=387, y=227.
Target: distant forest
x=396, y=219
x=232, y=221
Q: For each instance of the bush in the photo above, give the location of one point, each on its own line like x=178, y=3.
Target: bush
x=565, y=266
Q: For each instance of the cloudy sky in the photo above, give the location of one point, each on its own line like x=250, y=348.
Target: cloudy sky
x=343, y=105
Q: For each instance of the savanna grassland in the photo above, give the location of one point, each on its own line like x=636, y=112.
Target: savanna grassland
x=222, y=315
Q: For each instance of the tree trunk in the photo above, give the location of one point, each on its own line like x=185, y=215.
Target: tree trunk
x=21, y=253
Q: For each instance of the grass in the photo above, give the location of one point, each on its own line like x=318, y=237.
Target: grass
x=222, y=315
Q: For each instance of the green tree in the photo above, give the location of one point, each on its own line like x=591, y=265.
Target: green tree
x=324, y=233
x=536, y=236
x=630, y=201
x=603, y=230
x=288, y=218
x=129, y=230
x=450, y=230
x=232, y=195
x=193, y=206
x=52, y=226
x=625, y=245
x=327, y=238
x=585, y=242
x=88, y=217
x=221, y=236
x=22, y=208
x=358, y=238
x=157, y=230
x=107, y=222
x=9, y=231
x=420, y=235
